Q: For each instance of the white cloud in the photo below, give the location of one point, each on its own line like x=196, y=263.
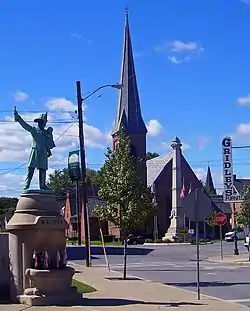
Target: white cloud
x=244, y=100
x=243, y=128
x=75, y=35
x=154, y=128
x=180, y=46
x=175, y=60
x=180, y=51
x=245, y=1
x=60, y=104
x=15, y=142
x=20, y=96
x=202, y=142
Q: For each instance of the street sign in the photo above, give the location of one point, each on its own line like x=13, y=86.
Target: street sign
x=74, y=165
x=220, y=219
x=190, y=231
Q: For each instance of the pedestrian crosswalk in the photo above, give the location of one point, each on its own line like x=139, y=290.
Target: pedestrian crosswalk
x=187, y=265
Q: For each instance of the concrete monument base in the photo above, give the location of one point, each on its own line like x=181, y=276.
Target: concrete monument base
x=50, y=287
x=172, y=235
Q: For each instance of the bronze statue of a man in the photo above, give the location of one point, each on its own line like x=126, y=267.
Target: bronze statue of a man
x=41, y=149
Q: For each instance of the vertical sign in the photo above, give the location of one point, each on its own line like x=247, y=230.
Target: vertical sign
x=227, y=168
x=229, y=193
x=74, y=165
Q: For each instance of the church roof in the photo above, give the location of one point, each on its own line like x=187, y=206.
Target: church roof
x=128, y=109
x=241, y=183
x=155, y=167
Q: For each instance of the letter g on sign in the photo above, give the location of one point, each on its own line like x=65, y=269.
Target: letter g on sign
x=226, y=142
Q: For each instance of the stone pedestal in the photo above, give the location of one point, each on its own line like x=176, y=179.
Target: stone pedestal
x=38, y=225
x=50, y=287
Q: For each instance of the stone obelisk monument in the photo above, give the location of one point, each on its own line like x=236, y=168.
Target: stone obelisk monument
x=42, y=275
x=176, y=217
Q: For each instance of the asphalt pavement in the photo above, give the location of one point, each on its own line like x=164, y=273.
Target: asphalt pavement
x=176, y=265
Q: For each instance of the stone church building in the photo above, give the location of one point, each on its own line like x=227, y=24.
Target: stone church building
x=168, y=175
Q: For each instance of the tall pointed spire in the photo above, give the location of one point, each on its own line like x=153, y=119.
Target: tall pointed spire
x=128, y=110
x=209, y=182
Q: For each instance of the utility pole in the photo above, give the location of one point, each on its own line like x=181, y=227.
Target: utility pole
x=83, y=173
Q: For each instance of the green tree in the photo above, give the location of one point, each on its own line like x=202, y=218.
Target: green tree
x=210, y=219
x=151, y=155
x=59, y=181
x=7, y=207
x=243, y=216
x=128, y=200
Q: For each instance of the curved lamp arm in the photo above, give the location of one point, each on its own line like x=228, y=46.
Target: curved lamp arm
x=116, y=86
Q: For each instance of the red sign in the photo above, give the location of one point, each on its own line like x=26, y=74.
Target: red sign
x=220, y=219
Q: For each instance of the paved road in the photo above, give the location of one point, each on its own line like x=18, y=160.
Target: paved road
x=176, y=265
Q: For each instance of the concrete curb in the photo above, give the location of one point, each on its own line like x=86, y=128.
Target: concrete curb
x=165, y=244
x=174, y=244
x=225, y=261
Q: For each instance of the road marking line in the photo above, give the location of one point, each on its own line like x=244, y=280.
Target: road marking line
x=239, y=300
x=210, y=273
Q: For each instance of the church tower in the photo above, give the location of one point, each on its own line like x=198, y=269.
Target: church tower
x=128, y=108
x=209, y=183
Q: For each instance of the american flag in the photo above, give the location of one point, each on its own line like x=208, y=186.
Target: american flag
x=65, y=258
x=46, y=260
x=35, y=259
x=58, y=258
x=182, y=194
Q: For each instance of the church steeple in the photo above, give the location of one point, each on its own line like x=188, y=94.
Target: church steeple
x=128, y=110
x=209, y=183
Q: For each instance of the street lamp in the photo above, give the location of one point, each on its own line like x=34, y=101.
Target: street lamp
x=117, y=86
x=83, y=164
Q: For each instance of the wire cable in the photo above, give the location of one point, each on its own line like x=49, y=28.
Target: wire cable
x=19, y=166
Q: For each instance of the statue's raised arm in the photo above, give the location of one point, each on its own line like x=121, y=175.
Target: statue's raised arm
x=20, y=120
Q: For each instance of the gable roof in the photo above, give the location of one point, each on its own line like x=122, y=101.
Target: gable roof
x=155, y=167
x=241, y=183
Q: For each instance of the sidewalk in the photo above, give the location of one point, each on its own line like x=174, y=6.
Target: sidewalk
x=133, y=294
x=241, y=260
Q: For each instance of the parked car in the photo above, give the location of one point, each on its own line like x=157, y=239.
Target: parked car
x=230, y=236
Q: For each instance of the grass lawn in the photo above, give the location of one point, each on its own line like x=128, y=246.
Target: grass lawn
x=83, y=288
x=107, y=243
x=98, y=243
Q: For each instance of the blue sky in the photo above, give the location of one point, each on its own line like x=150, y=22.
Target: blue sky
x=192, y=63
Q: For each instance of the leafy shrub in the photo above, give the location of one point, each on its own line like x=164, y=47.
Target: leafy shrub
x=158, y=241
x=167, y=241
x=149, y=241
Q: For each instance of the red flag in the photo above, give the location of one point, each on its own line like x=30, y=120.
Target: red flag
x=182, y=194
